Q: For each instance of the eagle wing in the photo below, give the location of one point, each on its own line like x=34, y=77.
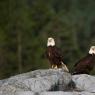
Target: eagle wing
x=83, y=60
x=85, y=65
x=60, y=57
x=58, y=54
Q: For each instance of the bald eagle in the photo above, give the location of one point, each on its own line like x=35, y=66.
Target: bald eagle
x=86, y=64
x=54, y=55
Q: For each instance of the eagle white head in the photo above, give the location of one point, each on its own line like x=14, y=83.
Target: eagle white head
x=92, y=50
x=50, y=42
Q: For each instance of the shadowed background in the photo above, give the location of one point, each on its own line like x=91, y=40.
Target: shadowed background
x=25, y=26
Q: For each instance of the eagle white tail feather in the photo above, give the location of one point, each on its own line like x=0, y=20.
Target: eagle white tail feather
x=65, y=67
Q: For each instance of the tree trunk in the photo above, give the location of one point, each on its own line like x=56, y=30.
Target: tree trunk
x=19, y=51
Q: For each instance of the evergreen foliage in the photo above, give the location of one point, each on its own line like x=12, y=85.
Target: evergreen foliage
x=25, y=26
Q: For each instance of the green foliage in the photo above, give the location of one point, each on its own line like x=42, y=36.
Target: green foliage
x=25, y=26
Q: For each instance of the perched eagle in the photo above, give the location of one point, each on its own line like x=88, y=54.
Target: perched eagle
x=54, y=55
x=86, y=64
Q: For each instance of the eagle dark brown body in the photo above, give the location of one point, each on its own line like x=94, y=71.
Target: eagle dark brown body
x=54, y=56
x=85, y=65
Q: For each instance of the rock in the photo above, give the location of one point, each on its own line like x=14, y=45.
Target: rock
x=48, y=82
x=66, y=93
x=35, y=81
x=85, y=82
x=25, y=93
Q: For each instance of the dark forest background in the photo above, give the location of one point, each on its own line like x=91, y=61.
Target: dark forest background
x=25, y=26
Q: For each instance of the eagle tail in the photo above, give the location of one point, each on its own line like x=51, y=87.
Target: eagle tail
x=65, y=67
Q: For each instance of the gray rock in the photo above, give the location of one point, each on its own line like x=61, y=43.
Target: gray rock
x=35, y=81
x=47, y=82
x=66, y=93
x=85, y=82
x=24, y=93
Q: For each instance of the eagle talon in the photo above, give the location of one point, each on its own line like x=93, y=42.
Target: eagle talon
x=55, y=67
x=52, y=66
